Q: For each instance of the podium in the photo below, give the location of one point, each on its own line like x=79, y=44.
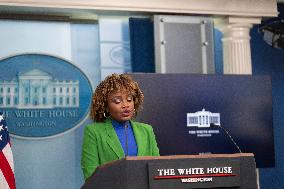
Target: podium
x=177, y=172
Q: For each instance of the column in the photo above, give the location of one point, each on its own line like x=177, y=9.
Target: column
x=236, y=45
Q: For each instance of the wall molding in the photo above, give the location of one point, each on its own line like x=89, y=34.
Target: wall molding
x=251, y=8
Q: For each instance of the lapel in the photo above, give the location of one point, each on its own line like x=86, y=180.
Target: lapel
x=140, y=140
x=113, y=140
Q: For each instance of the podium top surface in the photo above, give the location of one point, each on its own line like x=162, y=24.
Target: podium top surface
x=172, y=157
x=189, y=156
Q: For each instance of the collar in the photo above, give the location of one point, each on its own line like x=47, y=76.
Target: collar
x=114, y=142
x=119, y=124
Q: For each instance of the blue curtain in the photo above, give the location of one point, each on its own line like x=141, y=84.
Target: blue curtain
x=142, y=44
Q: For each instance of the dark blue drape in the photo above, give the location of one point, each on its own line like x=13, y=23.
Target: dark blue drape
x=142, y=44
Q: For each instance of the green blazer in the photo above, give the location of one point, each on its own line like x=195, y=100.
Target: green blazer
x=101, y=144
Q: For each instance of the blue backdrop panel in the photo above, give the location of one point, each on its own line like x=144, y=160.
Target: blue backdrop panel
x=142, y=44
x=244, y=104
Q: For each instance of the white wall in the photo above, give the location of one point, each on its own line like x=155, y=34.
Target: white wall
x=51, y=163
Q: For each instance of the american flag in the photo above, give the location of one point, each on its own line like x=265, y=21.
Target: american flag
x=7, y=178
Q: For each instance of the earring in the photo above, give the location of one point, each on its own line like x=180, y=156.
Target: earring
x=104, y=115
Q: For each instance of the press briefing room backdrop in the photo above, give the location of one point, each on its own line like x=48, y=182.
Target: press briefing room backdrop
x=47, y=125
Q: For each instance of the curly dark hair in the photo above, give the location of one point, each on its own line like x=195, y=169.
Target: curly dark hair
x=113, y=83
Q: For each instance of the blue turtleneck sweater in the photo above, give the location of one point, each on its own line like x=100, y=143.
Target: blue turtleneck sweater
x=121, y=133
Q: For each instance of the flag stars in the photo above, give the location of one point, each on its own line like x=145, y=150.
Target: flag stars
x=1, y=117
x=1, y=128
x=0, y=137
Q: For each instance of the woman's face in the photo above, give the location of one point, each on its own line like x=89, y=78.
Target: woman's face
x=121, y=105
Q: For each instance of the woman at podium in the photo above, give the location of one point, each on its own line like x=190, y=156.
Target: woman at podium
x=114, y=134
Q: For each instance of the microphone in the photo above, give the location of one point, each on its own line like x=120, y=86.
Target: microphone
x=126, y=138
x=228, y=134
